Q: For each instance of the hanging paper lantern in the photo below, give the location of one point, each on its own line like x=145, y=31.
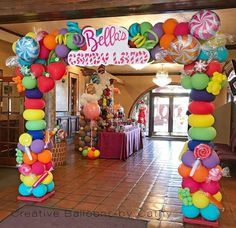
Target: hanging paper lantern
x=204, y=24
x=184, y=49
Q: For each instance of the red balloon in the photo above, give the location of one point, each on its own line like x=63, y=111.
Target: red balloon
x=212, y=187
x=37, y=69
x=213, y=66
x=201, y=107
x=188, y=182
x=34, y=104
x=45, y=84
x=18, y=73
x=91, y=110
x=189, y=68
x=56, y=70
x=44, y=52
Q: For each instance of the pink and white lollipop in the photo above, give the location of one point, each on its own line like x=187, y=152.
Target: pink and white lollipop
x=204, y=24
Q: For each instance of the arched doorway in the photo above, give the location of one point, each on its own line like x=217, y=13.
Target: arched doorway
x=166, y=111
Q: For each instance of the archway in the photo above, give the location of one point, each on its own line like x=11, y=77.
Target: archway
x=42, y=58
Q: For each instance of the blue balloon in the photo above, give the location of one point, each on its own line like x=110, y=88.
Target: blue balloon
x=193, y=143
x=134, y=29
x=222, y=54
x=201, y=95
x=37, y=134
x=24, y=190
x=40, y=190
x=210, y=213
x=23, y=62
x=50, y=186
x=204, y=55
x=33, y=93
x=190, y=211
x=40, y=61
x=98, y=31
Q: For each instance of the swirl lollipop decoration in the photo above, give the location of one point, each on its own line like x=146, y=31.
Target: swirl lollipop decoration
x=202, y=151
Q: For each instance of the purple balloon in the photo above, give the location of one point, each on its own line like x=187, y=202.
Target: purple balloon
x=20, y=147
x=37, y=146
x=157, y=28
x=188, y=158
x=211, y=161
x=63, y=31
x=62, y=50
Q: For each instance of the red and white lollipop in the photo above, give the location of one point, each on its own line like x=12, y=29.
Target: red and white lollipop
x=204, y=24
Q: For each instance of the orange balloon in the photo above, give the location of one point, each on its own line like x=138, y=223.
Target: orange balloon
x=54, y=33
x=91, y=154
x=168, y=59
x=49, y=42
x=169, y=26
x=200, y=174
x=166, y=40
x=26, y=159
x=45, y=156
x=184, y=170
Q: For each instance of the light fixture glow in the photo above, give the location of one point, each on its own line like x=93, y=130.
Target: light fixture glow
x=139, y=66
x=162, y=78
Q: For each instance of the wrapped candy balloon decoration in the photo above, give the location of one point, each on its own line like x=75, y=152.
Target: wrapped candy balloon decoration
x=184, y=49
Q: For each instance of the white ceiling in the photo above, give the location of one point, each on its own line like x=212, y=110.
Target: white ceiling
x=227, y=16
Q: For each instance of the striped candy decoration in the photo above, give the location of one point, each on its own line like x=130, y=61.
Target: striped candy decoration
x=184, y=49
x=27, y=49
x=204, y=24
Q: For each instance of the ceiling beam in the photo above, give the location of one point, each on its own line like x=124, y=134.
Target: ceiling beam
x=16, y=11
x=142, y=74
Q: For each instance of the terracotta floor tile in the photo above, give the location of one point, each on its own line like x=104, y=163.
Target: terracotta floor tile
x=150, y=214
x=155, y=199
x=93, y=199
x=4, y=214
x=108, y=209
x=165, y=224
x=153, y=224
x=172, y=208
x=172, y=217
x=130, y=212
x=132, y=203
x=83, y=206
x=68, y=204
x=75, y=197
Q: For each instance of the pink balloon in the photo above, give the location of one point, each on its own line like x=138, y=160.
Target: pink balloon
x=25, y=169
x=91, y=111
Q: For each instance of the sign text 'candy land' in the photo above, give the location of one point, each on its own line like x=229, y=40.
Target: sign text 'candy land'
x=110, y=47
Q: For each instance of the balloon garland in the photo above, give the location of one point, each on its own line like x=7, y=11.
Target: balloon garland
x=42, y=58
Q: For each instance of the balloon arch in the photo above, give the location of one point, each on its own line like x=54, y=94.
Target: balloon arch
x=41, y=59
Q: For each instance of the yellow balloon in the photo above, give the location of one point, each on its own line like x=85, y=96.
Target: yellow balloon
x=48, y=179
x=22, y=177
x=201, y=120
x=14, y=47
x=96, y=153
x=218, y=196
x=184, y=149
x=25, y=139
x=32, y=35
x=200, y=200
x=29, y=180
x=33, y=114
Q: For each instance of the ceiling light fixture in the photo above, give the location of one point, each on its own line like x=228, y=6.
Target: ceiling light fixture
x=162, y=78
x=139, y=66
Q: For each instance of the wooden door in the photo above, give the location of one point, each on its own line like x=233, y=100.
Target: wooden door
x=11, y=120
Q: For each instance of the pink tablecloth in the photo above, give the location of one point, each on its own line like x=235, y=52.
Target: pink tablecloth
x=120, y=145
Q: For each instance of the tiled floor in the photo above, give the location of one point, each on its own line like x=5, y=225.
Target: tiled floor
x=144, y=187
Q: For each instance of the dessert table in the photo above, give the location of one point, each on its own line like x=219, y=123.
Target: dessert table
x=120, y=145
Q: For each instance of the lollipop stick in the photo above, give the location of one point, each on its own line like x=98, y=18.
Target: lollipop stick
x=195, y=165
x=27, y=151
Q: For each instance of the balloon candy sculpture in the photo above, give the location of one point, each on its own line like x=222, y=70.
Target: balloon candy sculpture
x=200, y=192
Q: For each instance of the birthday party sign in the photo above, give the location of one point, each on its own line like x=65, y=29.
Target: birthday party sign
x=110, y=47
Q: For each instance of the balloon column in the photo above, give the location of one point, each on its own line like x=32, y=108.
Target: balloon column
x=200, y=192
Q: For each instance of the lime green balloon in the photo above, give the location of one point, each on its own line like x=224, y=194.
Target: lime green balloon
x=25, y=139
x=85, y=153
x=199, y=81
x=33, y=114
x=35, y=125
x=202, y=133
x=29, y=82
x=186, y=82
x=69, y=42
x=145, y=27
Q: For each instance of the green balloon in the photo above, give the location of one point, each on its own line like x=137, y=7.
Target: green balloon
x=35, y=125
x=29, y=82
x=186, y=82
x=199, y=81
x=202, y=133
x=69, y=42
x=145, y=27
x=85, y=153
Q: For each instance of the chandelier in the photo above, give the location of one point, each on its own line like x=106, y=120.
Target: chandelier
x=162, y=78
